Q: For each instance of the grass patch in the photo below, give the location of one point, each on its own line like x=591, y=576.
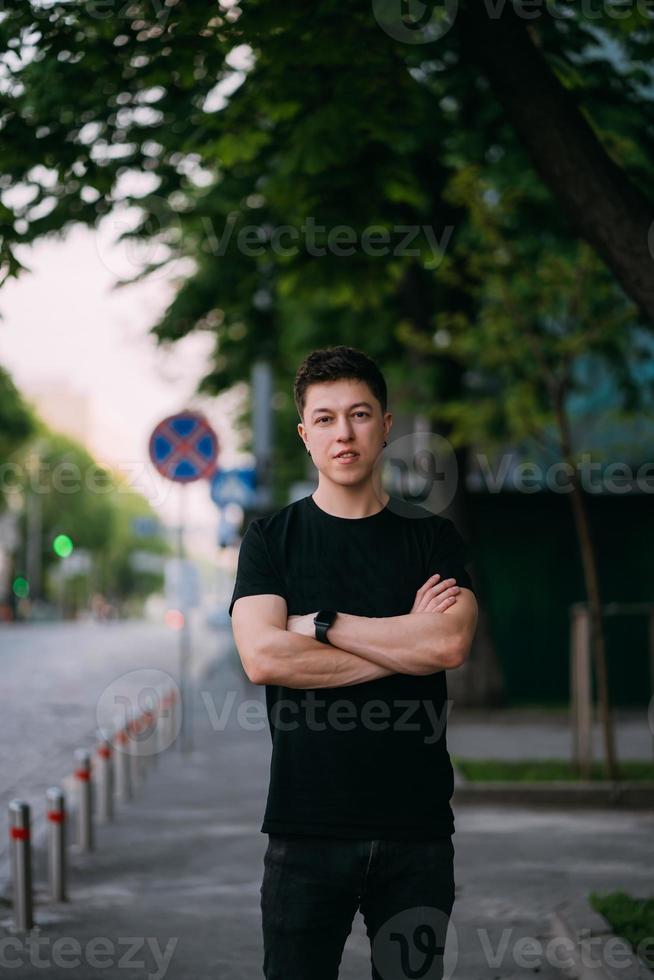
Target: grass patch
x=631, y=918
x=543, y=770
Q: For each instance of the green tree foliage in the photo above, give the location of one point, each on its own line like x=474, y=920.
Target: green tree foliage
x=74, y=492
x=283, y=113
x=543, y=306
x=92, y=506
x=16, y=426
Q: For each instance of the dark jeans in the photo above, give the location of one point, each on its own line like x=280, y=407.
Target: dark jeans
x=313, y=886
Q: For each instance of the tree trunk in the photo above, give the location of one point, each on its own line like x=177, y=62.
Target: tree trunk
x=601, y=203
x=591, y=579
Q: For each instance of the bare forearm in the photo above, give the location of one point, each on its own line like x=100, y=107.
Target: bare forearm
x=418, y=643
x=296, y=661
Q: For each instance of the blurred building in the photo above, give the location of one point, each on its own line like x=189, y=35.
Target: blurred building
x=64, y=409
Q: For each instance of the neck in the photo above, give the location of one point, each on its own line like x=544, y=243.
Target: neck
x=354, y=501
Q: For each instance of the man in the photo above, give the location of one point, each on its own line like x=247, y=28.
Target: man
x=349, y=605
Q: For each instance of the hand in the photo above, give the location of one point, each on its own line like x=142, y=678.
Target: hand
x=304, y=625
x=436, y=595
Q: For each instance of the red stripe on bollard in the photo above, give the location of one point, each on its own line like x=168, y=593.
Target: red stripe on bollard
x=55, y=816
x=83, y=774
x=19, y=833
x=104, y=753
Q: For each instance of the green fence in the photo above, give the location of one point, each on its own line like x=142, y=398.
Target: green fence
x=529, y=570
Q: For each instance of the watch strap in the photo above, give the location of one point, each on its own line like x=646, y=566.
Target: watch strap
x=323, y=620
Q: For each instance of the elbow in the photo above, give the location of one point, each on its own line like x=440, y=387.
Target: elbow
x=254, y=673
x=255, y=669
x=457, y=654
x=449, y=655
x=256, y=644
x=444, y=658
x=261, y=665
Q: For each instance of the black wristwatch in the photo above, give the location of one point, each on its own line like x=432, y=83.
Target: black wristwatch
x=323, y=621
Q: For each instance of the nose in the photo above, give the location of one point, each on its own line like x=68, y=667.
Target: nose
x=344, y=429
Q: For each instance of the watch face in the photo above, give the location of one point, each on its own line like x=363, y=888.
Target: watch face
x=325, y=617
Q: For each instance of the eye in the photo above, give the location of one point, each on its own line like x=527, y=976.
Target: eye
x=325, y=418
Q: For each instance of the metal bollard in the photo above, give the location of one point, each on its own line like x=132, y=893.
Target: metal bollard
x=150, y=720
x=123, y=776
x=139, y=729
x=175, y=708
x=163, y=722
x=132, y=749
x=56, y=810
x=21, y=863
x=161, y=728
x=106, y=789
x=84, y=801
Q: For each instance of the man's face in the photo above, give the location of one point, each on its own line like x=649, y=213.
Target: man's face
x=341, y=416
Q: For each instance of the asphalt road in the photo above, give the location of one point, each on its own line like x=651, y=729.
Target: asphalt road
x=53, y=678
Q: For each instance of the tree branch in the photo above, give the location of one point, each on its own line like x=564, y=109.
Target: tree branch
x=603, y=205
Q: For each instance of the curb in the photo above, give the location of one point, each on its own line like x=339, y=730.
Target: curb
x=628, y=795
x=597, y=953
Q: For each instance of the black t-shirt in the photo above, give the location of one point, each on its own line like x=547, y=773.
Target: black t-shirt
x=368, y=760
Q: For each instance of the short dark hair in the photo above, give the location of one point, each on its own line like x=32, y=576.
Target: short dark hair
x=333, y=364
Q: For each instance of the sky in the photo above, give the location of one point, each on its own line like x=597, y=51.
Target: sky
x=64, y=326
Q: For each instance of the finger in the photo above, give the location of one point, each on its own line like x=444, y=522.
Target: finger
x=445, y=586
x=432, y=587
x=434, y=590
x=441, y=598
x=423, y=595
x=430, y=582
x=439, y=604
x=420, y=604
x=431, y=601
x=443, y=606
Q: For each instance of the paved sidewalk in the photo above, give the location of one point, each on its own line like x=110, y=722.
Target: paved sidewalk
x=173, y=886
x=531, y=733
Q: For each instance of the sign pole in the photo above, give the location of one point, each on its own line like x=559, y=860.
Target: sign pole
x=185, y=732
x=184, y=448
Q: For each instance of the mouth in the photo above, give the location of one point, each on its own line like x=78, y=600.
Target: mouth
x=346, y=457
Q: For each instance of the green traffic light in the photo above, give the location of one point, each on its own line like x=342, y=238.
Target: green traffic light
x=21, y=587
x=62, y=545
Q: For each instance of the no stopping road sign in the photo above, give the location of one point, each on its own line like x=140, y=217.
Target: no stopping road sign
x=184, y=447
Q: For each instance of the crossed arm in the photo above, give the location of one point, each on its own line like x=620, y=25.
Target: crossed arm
x=277, y=649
